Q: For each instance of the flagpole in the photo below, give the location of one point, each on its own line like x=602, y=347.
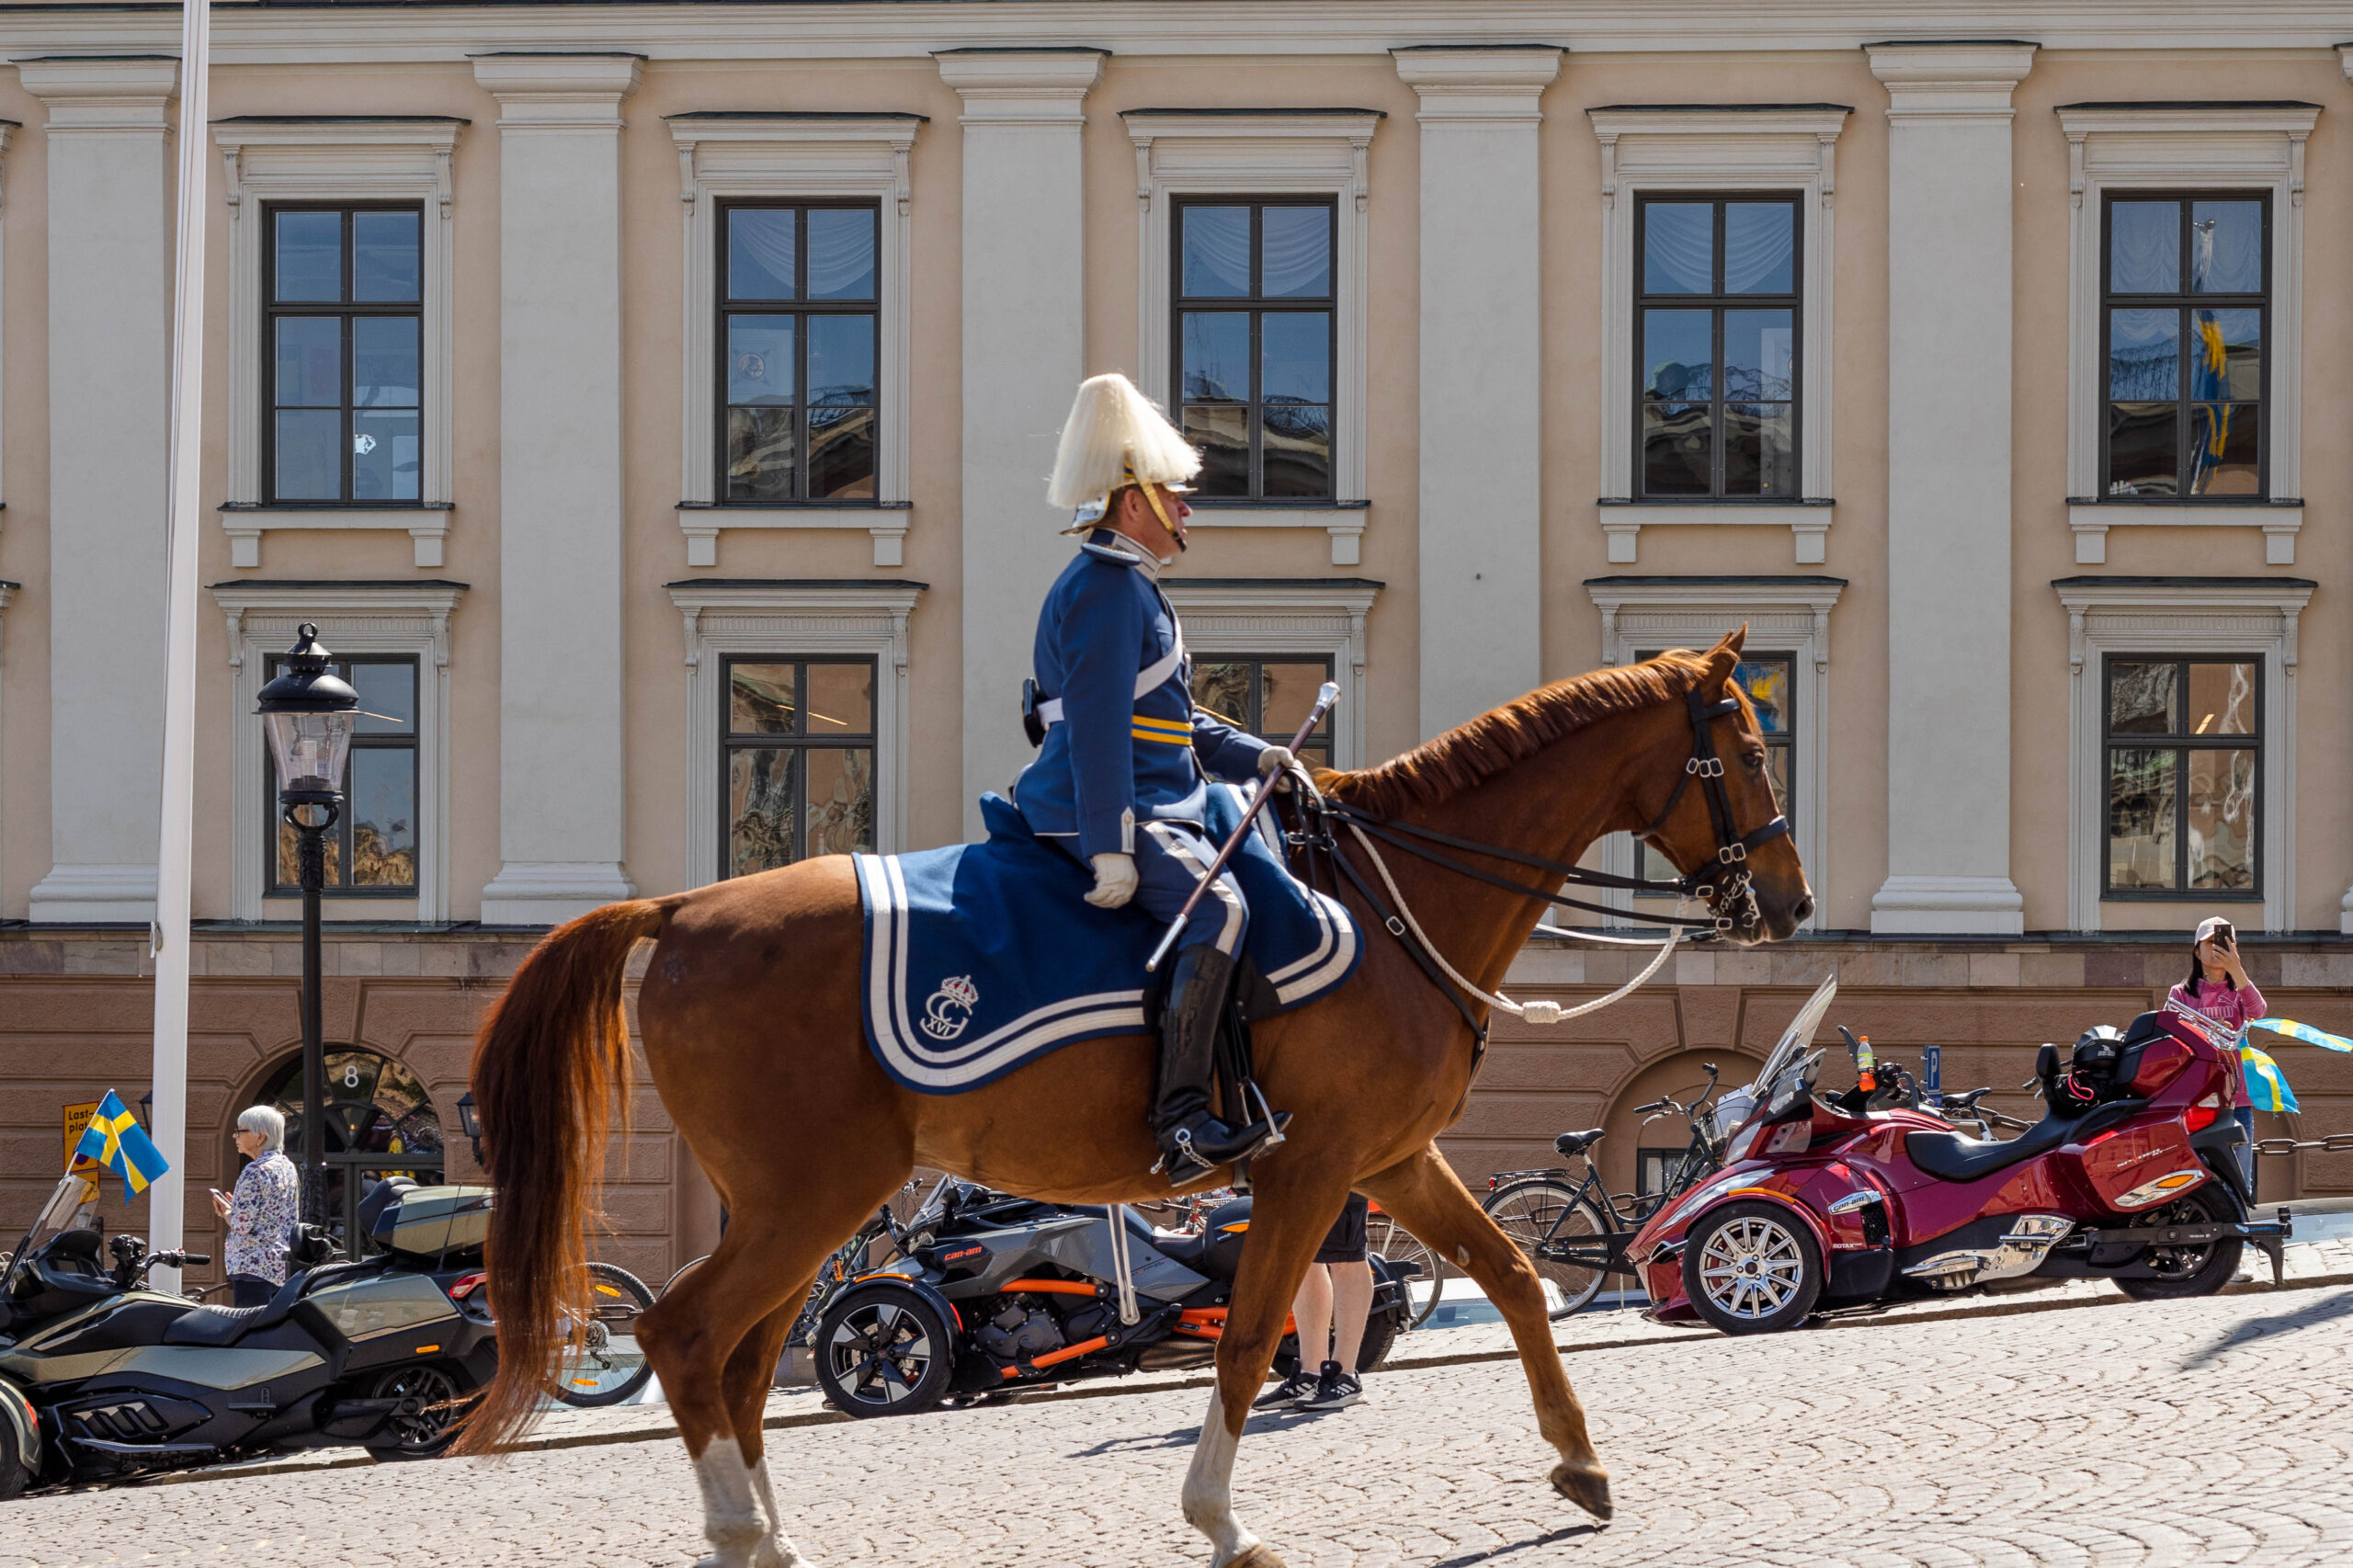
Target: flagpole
x=166, y=1207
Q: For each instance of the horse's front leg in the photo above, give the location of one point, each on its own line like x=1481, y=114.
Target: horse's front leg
x=1424, y=1195
x=1287, y=1220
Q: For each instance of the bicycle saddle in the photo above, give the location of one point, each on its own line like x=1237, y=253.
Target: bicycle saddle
x=1572, y=1145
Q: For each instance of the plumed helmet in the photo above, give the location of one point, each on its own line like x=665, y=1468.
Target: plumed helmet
x=1115, y=437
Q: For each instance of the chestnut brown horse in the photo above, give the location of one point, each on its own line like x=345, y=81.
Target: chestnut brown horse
x=749, y=1010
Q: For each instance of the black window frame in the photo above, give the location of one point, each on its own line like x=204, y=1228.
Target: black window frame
x=800, y=307
x=729, y=743
x=1258, y=307
x=1716, y=302
x=2183, y=303
x=346, y=828
x=1326, y=738
x=345, y=309
x=2180, y=743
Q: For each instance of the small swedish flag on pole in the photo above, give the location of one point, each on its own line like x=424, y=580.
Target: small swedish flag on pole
x=115, y=1139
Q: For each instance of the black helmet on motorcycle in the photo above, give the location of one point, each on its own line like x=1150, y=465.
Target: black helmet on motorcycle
x=2097, y=1047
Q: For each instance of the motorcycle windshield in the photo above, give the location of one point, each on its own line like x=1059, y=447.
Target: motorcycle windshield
x=1789, y=1054
x=71, y=1206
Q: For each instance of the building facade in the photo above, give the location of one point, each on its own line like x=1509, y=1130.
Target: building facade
x=650, y=403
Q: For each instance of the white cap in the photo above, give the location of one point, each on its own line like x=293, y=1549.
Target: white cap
x=1115, y=437
x=2207, y=927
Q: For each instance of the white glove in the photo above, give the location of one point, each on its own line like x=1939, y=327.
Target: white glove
x=1275, y=759
x=1115, y=881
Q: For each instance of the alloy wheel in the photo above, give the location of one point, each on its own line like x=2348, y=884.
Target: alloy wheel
x=881, y=1352
x=1751, y=1268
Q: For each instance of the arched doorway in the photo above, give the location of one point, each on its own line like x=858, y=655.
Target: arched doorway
x=379, y=1121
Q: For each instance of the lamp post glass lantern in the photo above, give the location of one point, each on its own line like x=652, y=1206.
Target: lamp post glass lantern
x=308, y=715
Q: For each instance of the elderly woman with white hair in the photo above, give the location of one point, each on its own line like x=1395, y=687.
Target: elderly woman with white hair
x=262, y=1212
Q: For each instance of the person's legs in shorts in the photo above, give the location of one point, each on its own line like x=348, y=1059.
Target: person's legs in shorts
x=1346, y=1299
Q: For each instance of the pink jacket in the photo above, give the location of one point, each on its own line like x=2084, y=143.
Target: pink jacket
x=2233, y=1008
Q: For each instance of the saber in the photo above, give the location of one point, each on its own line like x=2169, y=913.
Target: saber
x=1326, y=696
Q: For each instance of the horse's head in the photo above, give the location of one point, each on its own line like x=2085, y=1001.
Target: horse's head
x=1713, y=813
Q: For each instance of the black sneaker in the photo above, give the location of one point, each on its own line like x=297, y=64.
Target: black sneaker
x=1296, y=1386
x=1334, y=1390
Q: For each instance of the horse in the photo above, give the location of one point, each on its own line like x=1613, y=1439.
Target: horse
x=749, y=1007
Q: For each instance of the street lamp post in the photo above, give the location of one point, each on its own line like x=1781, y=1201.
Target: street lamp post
x=308, y=715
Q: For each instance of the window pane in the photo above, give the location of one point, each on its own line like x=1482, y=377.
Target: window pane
x=2222, y=819
x=2221, y=700
x=2226, y=247
x=2140, y=819
x=760, y=241
x=310, y=255
x=386, y=260
x=1295, y=348
x=760, y=699
x=1766, y=681
x=841, y=359
x=2143, y=355
x=1677, y=448
x=385, y=455
x=310, y=457
x=1215, y=251
x=384, y=372
x=841, y=253
x=2141, y=699
x=841, y=699
x=310, y=362
x=1760, y=247
x=759, y=809
x=1223, y=688
x=1216, y=356
x=1679, y=355
x=2226, y=356
x=1777, y=760
x=387, y=697
x=383, y=817
x=1678, y=247
x=2143, y=449
x=1295, y=450
x=1758, y=356
x=1287, y=695
x=1760, y=455
x=2224, y=442
x=841, y=801
x=1222, y=433
x=760, y=454
x=1296, y=258
x=759, y=359
x=841, y=453
x=2145, y=247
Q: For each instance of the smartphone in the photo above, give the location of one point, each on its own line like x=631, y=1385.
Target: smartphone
x=2226, y=938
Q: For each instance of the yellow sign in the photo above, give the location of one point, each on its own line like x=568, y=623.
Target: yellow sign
x=78, y=1117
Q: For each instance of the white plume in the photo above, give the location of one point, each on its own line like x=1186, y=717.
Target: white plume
x=1114, y=436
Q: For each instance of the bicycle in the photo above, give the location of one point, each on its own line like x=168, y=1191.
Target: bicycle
x=1577, y=1232
x=607, y=1367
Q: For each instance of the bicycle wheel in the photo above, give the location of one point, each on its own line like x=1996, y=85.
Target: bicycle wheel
x=1400, y=1245
x=1544, y=1215
x=608, y=1368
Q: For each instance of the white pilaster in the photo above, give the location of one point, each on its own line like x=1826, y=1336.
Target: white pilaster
x=1481, y=375
x=1025, y=353
x=560, y=784
x=1950, y=194
x=109, y=363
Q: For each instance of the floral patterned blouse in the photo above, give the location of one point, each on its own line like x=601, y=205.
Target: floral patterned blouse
x=262, y=1213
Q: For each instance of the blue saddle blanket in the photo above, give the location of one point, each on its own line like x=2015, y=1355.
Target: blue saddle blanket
x=981, y=957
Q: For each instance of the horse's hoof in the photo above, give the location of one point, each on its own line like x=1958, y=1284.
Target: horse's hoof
x=1258, y=1556
x=1587, y=1488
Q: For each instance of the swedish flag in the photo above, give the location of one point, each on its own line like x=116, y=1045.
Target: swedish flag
x=114, y=1138
x=2267, y=1087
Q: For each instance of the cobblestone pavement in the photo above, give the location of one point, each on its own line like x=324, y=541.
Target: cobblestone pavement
x=2178, y=1433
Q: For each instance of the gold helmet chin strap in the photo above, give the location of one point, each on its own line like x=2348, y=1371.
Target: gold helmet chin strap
x=1152, y=498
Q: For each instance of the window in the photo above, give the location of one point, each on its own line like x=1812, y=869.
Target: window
x=799, y=306
x=1256, y=296
x=1716, y=356
x=1268, y=696
x=1654, y=1168
x=1770, y=681
x=372, y=847
x=798, y=773
x=2184, y=749
x=2184, y=300
x=343, y=356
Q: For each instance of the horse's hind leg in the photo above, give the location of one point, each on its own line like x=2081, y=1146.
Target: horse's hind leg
x=750, y=1374
x=1424, y=1195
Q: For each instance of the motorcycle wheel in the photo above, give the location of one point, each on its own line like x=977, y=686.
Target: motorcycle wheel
x=610, y=1369
x=427, y=1434
x=1544, y=1210
x=1752, y=1268
x=883, y=1350
x=12, y=1469
x=2191, y=1271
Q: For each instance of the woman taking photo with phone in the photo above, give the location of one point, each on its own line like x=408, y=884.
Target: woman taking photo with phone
x=263, y=1211
x=2219, y=988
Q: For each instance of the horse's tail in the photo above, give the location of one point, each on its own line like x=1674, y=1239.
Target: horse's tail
x=546, y=1066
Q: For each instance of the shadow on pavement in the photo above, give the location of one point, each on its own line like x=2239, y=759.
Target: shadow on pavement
x=2327, y=1310
x=1261, y=1423
x=1565, y=1532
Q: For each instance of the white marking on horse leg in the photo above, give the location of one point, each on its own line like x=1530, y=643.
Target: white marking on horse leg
x=730, y=1517
x=776, y=1550
x=1209, y=1488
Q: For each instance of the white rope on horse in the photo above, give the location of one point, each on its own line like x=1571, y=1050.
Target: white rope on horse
x=1539, y=1011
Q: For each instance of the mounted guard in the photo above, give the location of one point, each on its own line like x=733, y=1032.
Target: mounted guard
x=1122, y=775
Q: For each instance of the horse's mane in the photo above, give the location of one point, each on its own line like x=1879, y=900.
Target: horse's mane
x=1439, y=769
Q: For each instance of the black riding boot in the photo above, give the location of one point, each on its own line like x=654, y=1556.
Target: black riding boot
x=1192, y=1141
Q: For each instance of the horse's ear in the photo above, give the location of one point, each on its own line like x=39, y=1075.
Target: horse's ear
x=1721, y=658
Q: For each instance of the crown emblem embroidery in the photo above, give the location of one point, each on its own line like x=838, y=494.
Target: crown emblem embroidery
x=949, y=1012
